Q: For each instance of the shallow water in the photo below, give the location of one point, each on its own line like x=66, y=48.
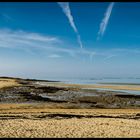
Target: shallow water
x=100, y=80
x=134, y=92
x=128, y=80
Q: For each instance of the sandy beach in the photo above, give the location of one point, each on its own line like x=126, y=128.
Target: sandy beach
x=26, y=112
x=57, y=125
x=108, y=86
x=28, y=121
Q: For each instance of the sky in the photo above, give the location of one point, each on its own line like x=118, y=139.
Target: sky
x=69, y=39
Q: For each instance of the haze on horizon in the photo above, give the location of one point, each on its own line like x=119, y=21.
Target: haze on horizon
x=71, y=39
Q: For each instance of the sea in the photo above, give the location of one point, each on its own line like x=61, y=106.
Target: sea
x=102, y=80
x=128, y=80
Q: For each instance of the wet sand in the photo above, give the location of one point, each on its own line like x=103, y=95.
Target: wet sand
x=108, y=86
x=28, y=109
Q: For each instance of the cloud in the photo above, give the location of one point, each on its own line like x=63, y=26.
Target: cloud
x=110, y=56
x=123, y=51
x=52, y=47
x=54, y=56
x=67, y=11
x=18, y=39
x=19, y=34
x=30, y=41
x=103, y=24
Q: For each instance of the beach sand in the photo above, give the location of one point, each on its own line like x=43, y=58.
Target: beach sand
x=45, y=119
x=8, y=82
x=22, y=122
x=108, y=86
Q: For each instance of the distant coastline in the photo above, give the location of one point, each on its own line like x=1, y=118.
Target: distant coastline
x=27, y=79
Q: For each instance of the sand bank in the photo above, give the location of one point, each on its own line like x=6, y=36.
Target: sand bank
x=115, y=87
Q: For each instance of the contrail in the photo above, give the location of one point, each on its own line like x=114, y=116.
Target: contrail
x=66, y=9
x=105, y=20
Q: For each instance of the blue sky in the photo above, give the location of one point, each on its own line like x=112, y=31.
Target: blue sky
x=75, y=39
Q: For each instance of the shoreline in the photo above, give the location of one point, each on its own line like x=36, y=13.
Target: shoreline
x=65, y=112
x=60, y=95
x=115, y=87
